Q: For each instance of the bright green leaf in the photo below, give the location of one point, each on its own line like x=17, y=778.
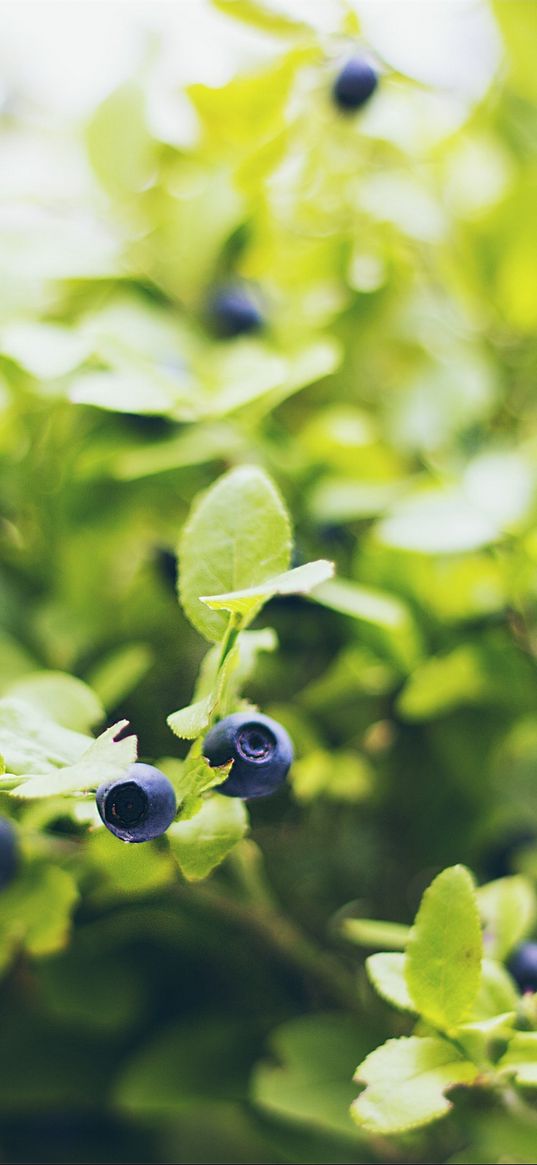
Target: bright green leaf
x=406, y=1083
x=203, y=842
x=300, y=581
x=444, y=951
x=105, y=760
x=386, y=971
x=236, y=537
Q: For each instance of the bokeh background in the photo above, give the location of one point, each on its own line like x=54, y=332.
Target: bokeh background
x=150, y=153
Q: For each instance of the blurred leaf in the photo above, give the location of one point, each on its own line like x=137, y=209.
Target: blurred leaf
x=120, y=148
x=340, y=776
x=36, y=912
x=497, y=992
x=377, y=608
x=312, y=1084
x=508, y=908
x=443, y=683
x=47, y=351
x=438, y=522
x=268, y=16
x=63, y=698
x=236, y=537
x=520, y=1059
x=406, y=1083
x=32, y=743
x=115, y=676
x=517, y=26
x=203, y=842
x=371, y=932
x=444, y=952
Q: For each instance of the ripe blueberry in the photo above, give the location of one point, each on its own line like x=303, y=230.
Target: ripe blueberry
x=9, y=855
x=523, y=966
x=234, y=312
x=354, y=84
x=139, y=806
x=260, y=749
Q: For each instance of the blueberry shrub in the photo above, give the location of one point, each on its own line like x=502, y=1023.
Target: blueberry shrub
x=268, y=599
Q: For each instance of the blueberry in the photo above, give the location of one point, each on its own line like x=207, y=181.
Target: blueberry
x=9, y=855
x=523, y=966
x=139, y=806
x=234, y=312
x=354, y=84
x=260, y=749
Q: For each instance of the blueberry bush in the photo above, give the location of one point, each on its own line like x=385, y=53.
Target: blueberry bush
x=268, y=606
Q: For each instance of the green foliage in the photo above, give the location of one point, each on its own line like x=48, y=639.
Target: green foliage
x=206, y=997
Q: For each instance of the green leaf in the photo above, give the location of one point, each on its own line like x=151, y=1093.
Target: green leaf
x=497, y=992
x=520, y=1059
x=115, y=676
x=36, y=912
x=192, y=778
x=120, y=147
x=106, y=759
x=377, y=609
x=482, y=1039
x=299, y=581
x=517, y=25
x=438, y=522
x=387, y=974
x=444, y=952
x=236, y=537
x=63, y=698
x=269, y=17
x=31, y=743
x=203, y=842
x=190, y=722
x=443, y=683
x=340, y=776
x=311, y=1084
x=370, y=932
x=406, y=1083
x=47, y=351
x=508, y=908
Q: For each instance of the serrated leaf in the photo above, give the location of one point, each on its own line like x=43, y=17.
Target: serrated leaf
x=371, y=932
x=386, y=971
x=191, y=779
x=508, y=908
x=190, y=722
x=64, y=698
x=201, y=843
x=236, y=537
x=311, y=1083
x=520, y=1059
x=299, y=581
x=444, y=952
x=104, y=760
x=406, y=1083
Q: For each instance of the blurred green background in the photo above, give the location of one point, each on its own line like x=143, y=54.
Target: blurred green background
x=151, y=153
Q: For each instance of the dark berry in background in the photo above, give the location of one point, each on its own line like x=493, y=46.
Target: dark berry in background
x=9, y=854
x=354, y=84
x=233, y=312
x=523, y=966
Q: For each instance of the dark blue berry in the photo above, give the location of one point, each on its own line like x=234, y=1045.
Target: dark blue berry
x=138, y=806
x=523, y=966
x=260, y=749
x=234, y=312
x=354, y=84
x=9, y=853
